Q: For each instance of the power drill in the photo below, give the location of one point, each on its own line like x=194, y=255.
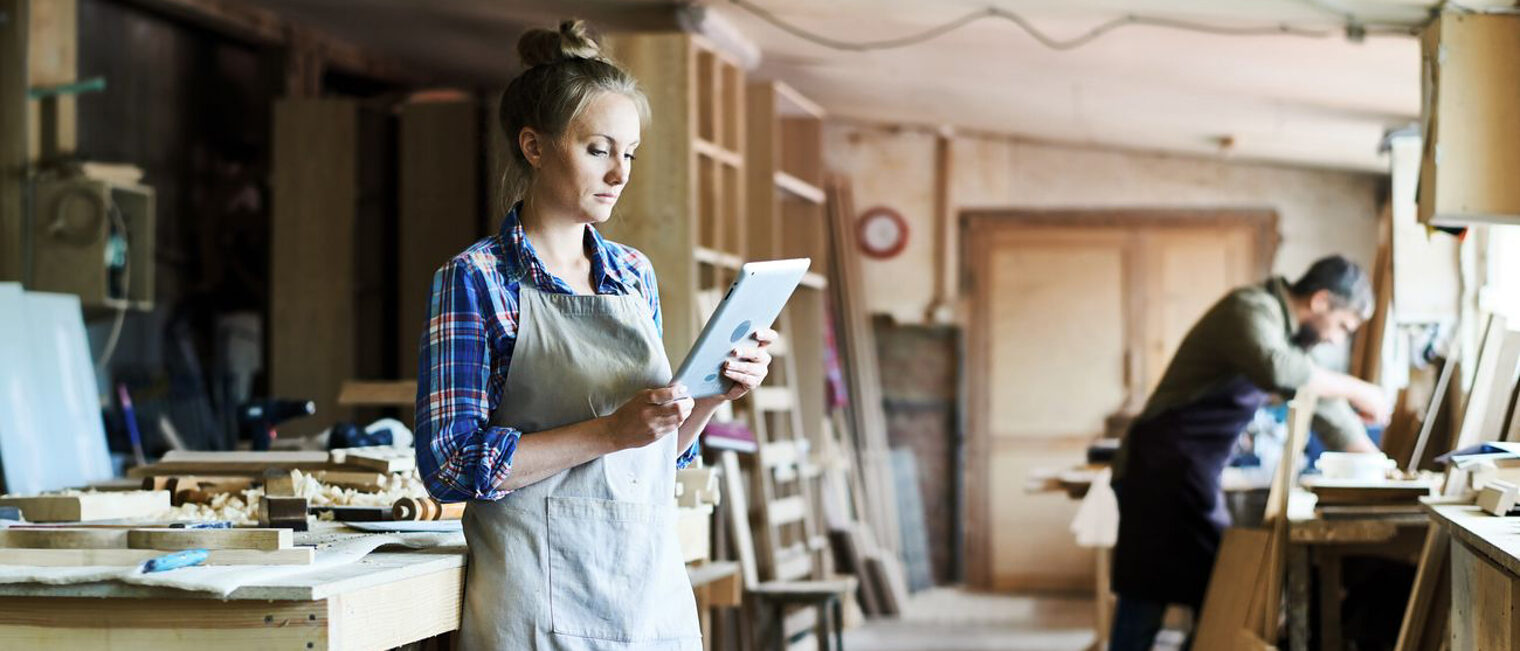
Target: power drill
x=257, y=418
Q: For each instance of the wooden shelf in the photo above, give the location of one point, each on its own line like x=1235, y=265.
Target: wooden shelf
x=717, y=258
x=711, y=150
x=799, y=188
x=815, y=280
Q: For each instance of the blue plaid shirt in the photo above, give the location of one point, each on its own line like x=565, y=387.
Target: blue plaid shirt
x=467, y=348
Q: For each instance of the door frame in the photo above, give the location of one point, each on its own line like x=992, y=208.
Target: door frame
x=979, y=230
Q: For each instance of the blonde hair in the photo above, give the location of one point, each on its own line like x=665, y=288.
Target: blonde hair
x=565, y=69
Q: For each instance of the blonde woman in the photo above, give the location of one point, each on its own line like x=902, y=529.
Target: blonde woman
x=543, y=396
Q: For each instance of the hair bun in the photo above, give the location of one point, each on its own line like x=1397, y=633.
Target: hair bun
x=573, y=41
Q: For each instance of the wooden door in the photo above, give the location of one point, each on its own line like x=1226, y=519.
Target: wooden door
x=1046, y=290
x=1074, y=317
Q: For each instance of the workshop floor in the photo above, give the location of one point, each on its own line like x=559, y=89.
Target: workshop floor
x=954, y=619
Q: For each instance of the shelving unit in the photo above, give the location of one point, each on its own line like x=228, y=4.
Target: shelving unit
x=685, y=206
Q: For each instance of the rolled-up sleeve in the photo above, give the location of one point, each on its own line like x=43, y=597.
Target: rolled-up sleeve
x=1337, y=424
x=1260, y=349
x=460, y=455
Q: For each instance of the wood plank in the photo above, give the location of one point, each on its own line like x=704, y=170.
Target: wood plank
x=774, y=399
x=743, y=540
x=177, y=539
x=13, y=134
x=179, y=462
x=64, y=538
x=398, y=393
x=1484, y=606
x=368, y=482
x=438, y=215
x=162, y=623
x=1429, y=598
x=779, y=453
x=380, y=458
x=799, y=188
x=658, y=214
x=394, y=614
x=312, y=326
x=787, y=510
x=1475, y=410
x=129, y=557
x=89, y=506
x=1237, y=577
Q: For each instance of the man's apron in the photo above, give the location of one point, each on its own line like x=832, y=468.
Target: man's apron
x=1171, y=507
x=586, y=558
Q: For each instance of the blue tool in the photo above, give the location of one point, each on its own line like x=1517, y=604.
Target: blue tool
x=201, y=524
x=175, y=560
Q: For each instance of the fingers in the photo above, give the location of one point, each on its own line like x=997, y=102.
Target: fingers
x=668, y=394
x=766, y=337
x=757, y=355
x=737, y=370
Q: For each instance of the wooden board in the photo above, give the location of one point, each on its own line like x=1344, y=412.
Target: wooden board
x=379, y=459
x=1430, y=598
x=1237, y=578
x=13, y=135
x=180, y=462
x=89, y=506
x=439, y=211
x=129, y=557
x=177, y=539
x=1332, y=492
x=400, y=393
x=315, y=171
x=1468, y=59
x=64, y=538
x=1480, y=397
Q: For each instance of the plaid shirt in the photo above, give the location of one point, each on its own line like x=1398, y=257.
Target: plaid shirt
x=467, y=348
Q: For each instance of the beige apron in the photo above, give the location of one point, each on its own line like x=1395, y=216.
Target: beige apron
x=586, y=558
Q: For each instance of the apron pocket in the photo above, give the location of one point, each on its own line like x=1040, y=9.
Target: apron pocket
x=615, y=572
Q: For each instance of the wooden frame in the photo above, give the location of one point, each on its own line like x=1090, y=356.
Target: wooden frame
x=980, y=228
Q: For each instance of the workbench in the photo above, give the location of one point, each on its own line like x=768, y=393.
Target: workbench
x=387, y=599
x=1485, y=576
x=1320, y=540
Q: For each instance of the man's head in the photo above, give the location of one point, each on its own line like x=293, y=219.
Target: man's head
x=1331, y=300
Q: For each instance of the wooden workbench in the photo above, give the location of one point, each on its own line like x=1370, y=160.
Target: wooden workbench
x=1485, y=577
x=385, y=600
x=1318, y=541
x=382, y=601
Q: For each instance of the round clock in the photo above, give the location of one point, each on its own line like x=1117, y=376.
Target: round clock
x=881, y=232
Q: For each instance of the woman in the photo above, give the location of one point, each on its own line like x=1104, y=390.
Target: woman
x=542, y=396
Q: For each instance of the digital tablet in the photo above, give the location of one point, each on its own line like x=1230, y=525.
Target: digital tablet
x=752, y=303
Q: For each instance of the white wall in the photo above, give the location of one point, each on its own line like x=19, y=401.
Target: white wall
x=1319, y=211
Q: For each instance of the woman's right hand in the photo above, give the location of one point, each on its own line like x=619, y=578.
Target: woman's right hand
x=650, y=415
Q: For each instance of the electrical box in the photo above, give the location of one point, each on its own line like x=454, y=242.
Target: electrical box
x=93, y=237
x=1470, y=64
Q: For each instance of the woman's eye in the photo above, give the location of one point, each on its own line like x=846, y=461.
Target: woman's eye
x=598, y=152
x=630, y=157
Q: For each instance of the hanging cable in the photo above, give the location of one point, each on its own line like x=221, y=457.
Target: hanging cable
x=1352, y=27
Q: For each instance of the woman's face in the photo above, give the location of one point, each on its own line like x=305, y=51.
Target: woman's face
x=584, y=172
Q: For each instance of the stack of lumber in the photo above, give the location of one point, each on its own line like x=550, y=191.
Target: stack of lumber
x=278, y=488
x=864, y=528
x=128, y=545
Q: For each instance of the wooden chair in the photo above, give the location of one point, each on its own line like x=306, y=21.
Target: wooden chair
x=784, y=586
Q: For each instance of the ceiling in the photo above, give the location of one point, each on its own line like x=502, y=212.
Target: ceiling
x=1321, y=101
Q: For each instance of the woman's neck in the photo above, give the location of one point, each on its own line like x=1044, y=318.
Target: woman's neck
x=559, y=242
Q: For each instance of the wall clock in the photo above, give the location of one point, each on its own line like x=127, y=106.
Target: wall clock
x=881, y=232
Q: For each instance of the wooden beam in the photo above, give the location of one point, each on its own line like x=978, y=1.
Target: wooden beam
x=89, y=506
x=129, y=557
x=178, y=539
x=312, y=292
x=14, y=21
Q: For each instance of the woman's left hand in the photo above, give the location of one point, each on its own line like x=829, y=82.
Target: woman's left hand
x=749, y=365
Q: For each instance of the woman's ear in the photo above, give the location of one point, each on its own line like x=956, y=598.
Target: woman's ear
x=532, y=144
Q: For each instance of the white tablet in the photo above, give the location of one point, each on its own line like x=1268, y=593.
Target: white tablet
x=753, y=302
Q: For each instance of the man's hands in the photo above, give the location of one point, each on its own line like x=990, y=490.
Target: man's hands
x=1371, y=404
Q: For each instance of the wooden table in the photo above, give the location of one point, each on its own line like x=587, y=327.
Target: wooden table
x=1485, y=576
x=1320, y=540
x=385, y=600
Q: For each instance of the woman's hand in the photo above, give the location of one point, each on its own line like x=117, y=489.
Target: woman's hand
x=649, y=416
x=749, y=365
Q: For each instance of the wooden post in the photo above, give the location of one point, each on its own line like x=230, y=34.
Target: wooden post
x=13, y=108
